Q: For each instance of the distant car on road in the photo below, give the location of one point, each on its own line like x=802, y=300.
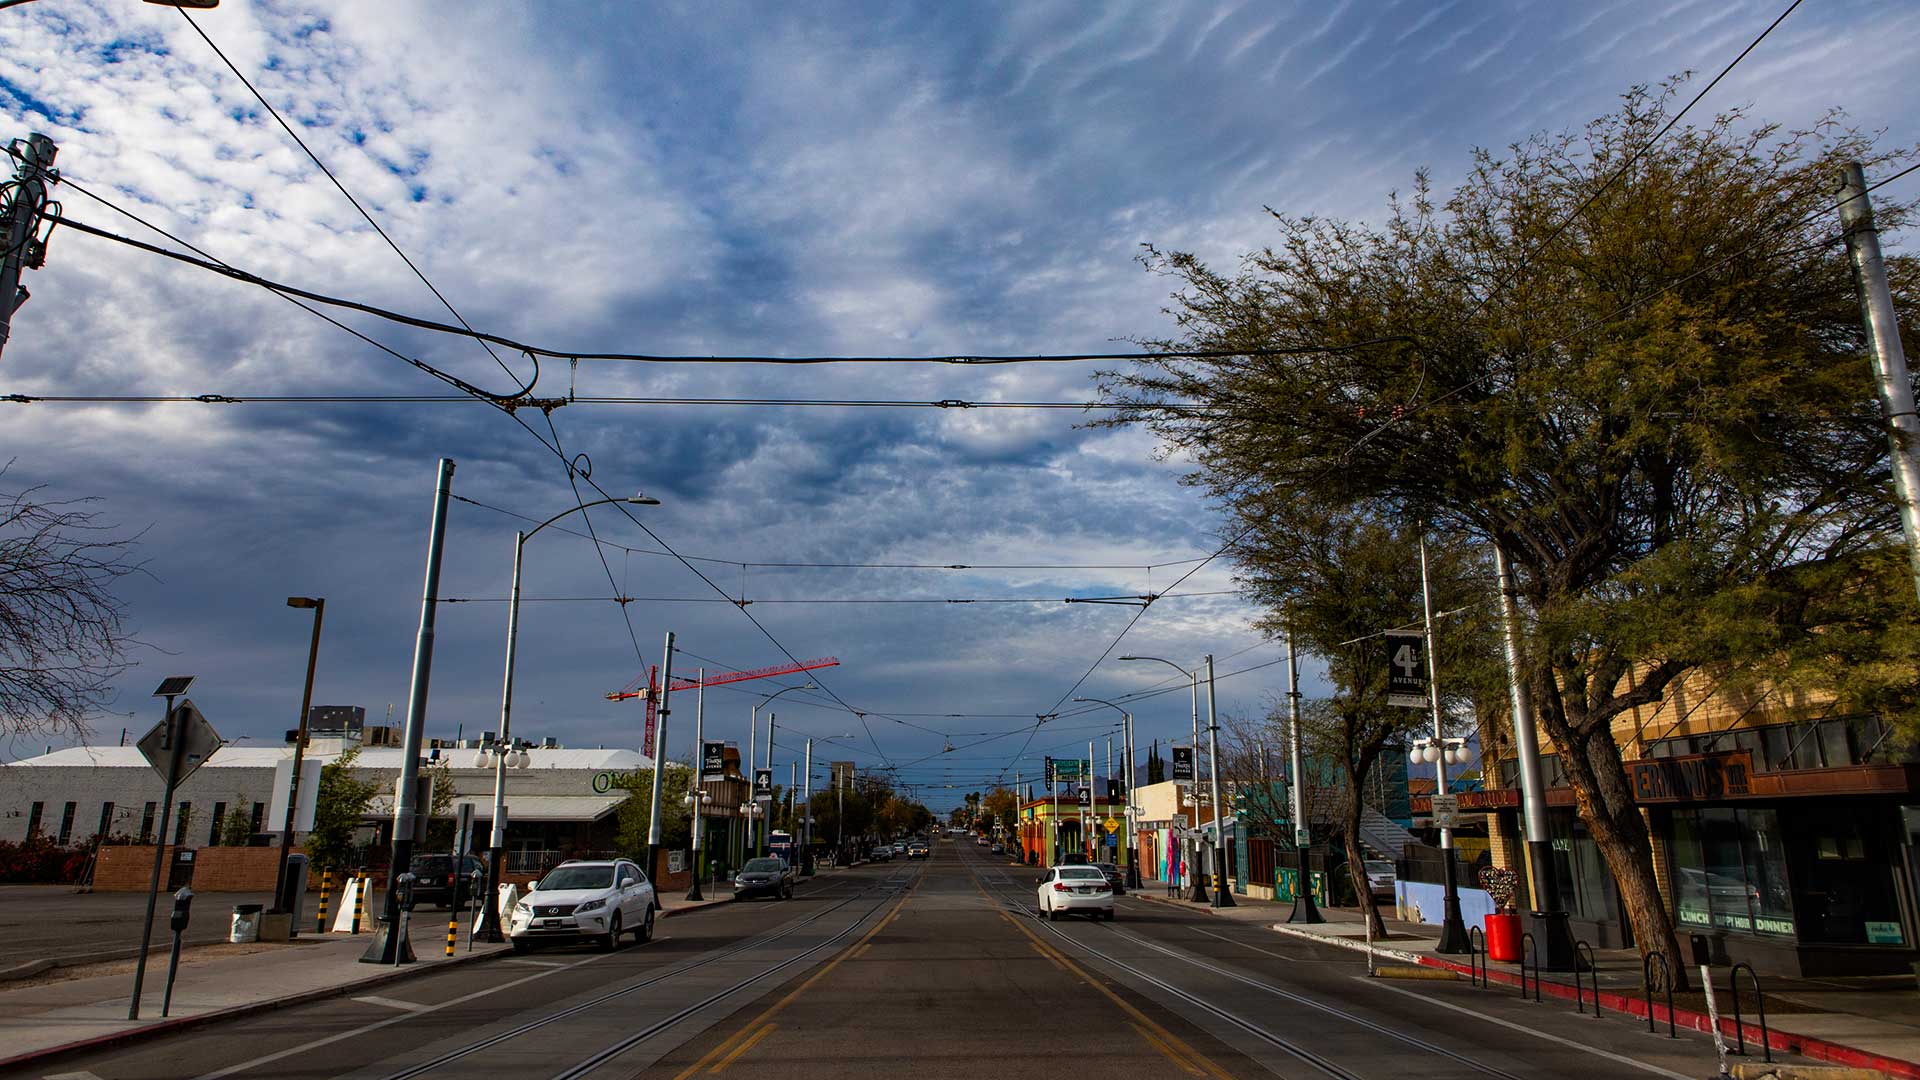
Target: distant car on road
x=881, y=853
x=434, y=878
x=918, y=850
x=999, y=849
x=1074, y=858
x=765, y=876
x=597, y=901
x=1069, y=889
x=1114, y=879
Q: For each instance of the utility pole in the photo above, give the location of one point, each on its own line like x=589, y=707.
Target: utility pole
x=1221, y=896
x=389, y=945
x=319, y=607
x=806, y=814
x=20, y=221
x=1550, y=922
x=658, y=751
x=1889, y=357
x=1453, y=929
x=771, y=717
x=1304, y=909
x=1132, y=826
x=699, y=788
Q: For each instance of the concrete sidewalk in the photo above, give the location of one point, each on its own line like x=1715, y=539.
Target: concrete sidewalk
x=1865, y=1022
x=64, y=1011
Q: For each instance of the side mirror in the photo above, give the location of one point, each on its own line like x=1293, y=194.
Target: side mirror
x=627, y=883
x=534, y=885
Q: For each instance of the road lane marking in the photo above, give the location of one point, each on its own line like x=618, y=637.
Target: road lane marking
x=72, y=1076
x=535, y=963
x=1160, y=1044
x=1186, y=1051
x=1048, y=957
x=1244, y=945
x=391, y=1003
x=707, y=1058
x=764, y=1031
x=1580, y=1046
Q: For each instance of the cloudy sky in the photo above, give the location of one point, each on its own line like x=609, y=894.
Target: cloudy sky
x=872, y=180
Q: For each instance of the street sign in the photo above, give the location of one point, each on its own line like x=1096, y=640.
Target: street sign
x=763, y=785
x=1071, y=770
x=713, y=761
x=1112, y=825
x=197, y=741
x=1179, y=821
x=1446, y=811
x=1113, y=840
x=1407, y=670
x=1086, y=796
x=1050, y=774
x=1183, y=764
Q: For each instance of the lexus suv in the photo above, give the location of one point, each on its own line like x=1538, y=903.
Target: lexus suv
x=592, y=901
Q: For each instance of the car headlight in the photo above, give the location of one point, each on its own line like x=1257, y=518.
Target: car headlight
x=592, y=905
x=522, y=911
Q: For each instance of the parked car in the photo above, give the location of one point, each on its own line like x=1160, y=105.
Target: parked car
x=881, y=853
x=1380, y=877
x=1074, y=858
x=598, y=900
x=434, y=879
x=765, y=876
x=999, y=849
x=1114, y=878
x=1069, y=889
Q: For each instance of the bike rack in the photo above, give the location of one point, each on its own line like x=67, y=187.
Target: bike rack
x=1586, y=958
x=1760, y=1002
x=1477, y=950
x=1528, y=948
x=1646, y=982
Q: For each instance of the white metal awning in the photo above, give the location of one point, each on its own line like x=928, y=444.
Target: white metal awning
x=524, y=807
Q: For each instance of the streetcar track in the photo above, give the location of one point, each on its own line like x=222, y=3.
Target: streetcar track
x=758, y=941
x=1310, y=1057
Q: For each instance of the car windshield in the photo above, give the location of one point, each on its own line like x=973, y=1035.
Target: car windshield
x=1081, y=873
x=578, y=877
x=762, y=866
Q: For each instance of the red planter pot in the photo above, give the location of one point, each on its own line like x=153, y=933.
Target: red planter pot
x=1503, y=937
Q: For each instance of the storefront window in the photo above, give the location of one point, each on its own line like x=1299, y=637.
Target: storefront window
x=1844, y=881
x=1729, y=871
x=1584, y=879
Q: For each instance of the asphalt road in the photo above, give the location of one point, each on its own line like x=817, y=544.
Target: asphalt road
x=919, y=971
x=54, y=922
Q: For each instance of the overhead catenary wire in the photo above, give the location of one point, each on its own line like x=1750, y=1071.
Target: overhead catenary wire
x=947, y=404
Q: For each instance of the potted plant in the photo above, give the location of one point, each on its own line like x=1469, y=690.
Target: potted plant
x=1503, y=925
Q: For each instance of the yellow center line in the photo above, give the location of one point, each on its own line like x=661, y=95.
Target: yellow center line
x=764, y=1031
x=1142, y=1020
x=1160, y=1044
x=1048, y=958
x=707, y=1058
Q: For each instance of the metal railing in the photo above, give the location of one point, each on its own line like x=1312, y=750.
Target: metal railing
x=1477, y=950
x=1646, y=982
x=1528, y=948
x=1760, y=1003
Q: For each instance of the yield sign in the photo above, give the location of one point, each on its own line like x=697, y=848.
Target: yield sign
x=193, y=738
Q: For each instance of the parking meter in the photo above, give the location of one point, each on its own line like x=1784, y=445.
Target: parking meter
x=182, y=908
x=403, y=891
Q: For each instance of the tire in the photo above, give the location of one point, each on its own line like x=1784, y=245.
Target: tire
x=611, y=939
x=1052, y=915
x=645, y=933
x=521, y=947
x=786, y=893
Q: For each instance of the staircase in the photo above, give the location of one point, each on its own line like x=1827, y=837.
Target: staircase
x=1380, y=835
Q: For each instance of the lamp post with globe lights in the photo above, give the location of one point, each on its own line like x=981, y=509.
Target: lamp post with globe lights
x=1199, y=891
x=753, y=730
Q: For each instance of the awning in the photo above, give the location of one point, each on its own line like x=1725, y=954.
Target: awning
x=524, y=808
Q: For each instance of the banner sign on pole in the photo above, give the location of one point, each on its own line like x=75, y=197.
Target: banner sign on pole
x=713, y=761
x=1050, y=773
x=763, y=785
x=1086, y=796
x=1183, y=764
x=1407, y=670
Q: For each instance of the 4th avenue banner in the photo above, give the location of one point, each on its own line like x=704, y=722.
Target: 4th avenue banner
x=763, y=785
x=713, y=761
x=1183, y=764
x=1407, y=670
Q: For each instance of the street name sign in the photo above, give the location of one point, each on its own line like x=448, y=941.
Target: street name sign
x=1407, y=670
x=197, y=741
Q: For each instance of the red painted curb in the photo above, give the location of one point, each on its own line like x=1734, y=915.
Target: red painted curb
x=1783, y=1041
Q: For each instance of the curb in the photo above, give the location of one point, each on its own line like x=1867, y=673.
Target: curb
x=667, y=913
x=183, y=1023
x=1783, y=1041
x=27, y=970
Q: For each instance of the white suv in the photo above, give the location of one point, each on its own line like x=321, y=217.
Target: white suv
x=596, y=900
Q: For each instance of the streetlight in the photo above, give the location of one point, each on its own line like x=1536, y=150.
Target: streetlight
x=753, y=731
x=318, y=605
x=806, y=846
x=1199, y=895
x=1126, y=723
x=497, y=841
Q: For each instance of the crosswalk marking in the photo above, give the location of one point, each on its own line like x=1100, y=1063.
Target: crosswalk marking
x=391, y=1003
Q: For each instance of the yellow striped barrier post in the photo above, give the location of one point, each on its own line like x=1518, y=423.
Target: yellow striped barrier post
x=326, y=886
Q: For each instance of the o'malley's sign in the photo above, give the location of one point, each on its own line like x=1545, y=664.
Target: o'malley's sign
x=1693, y=778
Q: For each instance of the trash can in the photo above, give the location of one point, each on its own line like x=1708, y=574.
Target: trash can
x=246, y=924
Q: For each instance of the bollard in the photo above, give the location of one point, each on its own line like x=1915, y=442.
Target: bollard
x=453, y=929
x=326, y=885
x=360, y=902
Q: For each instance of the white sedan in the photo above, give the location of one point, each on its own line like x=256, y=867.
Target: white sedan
x=1067, y=889
x=598, y=901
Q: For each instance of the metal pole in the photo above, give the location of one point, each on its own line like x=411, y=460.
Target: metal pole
x=1453, y=929
x=502, y=745
x=1132, y=819
x=1551, y=927
x=159, y=858
x=766, y=827
x=389, y=945
x=699, y=773
x=1222, y=897
x=1304, y=908
x=1197, y=892
x=659, y=762
x=299, y=751
x=806, y=814
x=1888, y=356
x=1053, y=786
x=1086, y=809
x=22, y=217
x=753, y=803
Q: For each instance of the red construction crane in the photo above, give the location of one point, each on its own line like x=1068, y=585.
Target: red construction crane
x=652, y=691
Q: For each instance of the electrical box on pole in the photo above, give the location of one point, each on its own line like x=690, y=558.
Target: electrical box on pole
x=23, y=206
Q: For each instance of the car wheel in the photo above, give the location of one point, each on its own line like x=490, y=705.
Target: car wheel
x=520, y=946
x=611, y=940
x=1053, y=915
x=645, y=933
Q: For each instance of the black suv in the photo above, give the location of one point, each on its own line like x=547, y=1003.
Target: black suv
x=434, y=874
